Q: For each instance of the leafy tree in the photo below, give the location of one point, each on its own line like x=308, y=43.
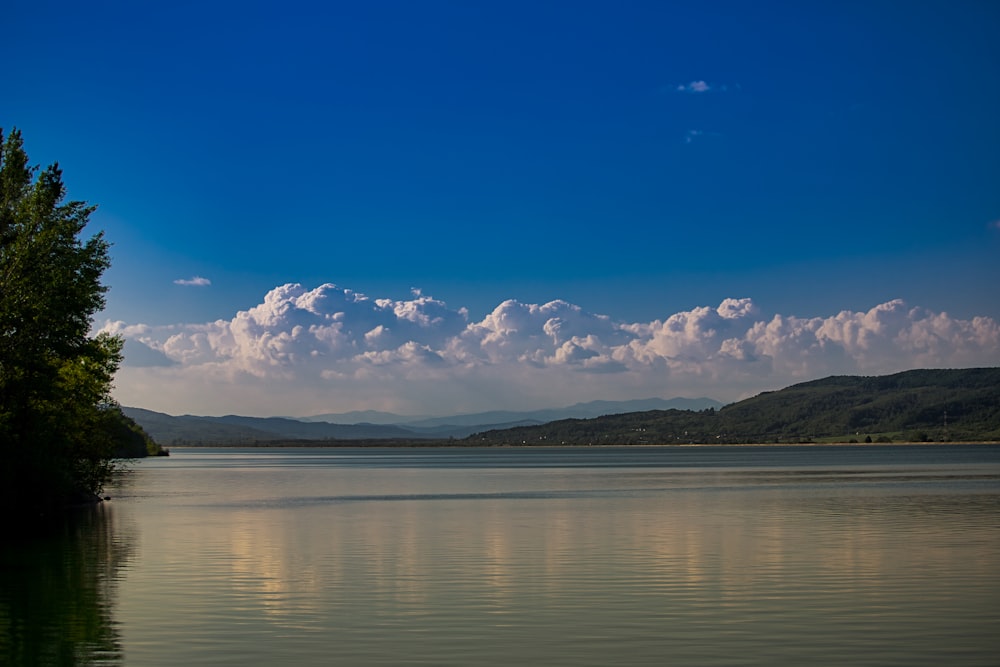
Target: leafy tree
x=55, y=377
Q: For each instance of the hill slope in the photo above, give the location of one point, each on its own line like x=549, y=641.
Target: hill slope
x=233, y=430
x=921, y=405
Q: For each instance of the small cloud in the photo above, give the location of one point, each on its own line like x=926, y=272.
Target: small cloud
x=196, y=281
x=692, y=136
x=700, y=86
x=695, y=87
x=995, y=224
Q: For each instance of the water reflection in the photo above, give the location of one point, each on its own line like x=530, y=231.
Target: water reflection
x=255, y=564
x=57, y=590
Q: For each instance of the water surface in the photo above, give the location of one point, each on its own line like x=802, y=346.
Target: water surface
x=592, y=556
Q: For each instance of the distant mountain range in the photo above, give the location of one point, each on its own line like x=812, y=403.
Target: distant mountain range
x=919, y=405
x=373, y=425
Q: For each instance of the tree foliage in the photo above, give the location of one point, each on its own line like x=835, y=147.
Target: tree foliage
x=55, y=377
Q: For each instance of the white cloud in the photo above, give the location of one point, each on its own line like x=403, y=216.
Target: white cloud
x=331, y=349
x=694, y=87
x=196, y=281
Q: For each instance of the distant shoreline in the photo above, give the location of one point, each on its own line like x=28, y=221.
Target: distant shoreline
x=377, y=444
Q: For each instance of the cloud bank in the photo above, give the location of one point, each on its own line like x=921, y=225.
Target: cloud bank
x=328, y=349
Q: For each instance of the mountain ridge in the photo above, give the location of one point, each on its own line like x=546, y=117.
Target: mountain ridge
x=924, y=405
x=236, y=429
x=583, y=409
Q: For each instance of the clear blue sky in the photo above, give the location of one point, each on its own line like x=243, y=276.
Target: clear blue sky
x=635, y=159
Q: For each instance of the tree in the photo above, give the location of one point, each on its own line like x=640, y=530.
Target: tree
x=55, y=377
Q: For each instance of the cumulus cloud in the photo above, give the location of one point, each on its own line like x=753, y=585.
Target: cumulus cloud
x=196, y=281
x=329, y=349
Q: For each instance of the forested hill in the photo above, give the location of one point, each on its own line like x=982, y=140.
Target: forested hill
x=914, y=406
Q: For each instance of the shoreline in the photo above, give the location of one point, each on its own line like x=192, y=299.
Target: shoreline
x=377, y=444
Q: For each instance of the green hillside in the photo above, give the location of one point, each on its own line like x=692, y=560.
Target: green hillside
x=914, y=406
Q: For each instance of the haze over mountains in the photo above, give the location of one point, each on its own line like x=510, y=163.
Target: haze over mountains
x=922, y=405
x=369, y=424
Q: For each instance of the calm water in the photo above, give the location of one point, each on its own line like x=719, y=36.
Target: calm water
x=653, y=556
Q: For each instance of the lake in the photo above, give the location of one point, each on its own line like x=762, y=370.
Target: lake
x=860, y=555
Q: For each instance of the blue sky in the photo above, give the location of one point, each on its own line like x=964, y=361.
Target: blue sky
x=637, y=160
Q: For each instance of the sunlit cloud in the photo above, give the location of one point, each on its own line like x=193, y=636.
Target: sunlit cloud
x=325, y=349
x=196, y=281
